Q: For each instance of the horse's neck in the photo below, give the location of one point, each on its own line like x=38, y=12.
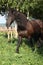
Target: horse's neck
x=21, y=18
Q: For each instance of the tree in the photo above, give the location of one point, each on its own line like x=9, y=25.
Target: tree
x=33, y=8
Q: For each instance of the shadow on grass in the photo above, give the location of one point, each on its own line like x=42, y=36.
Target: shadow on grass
x=5, y=35
x=38, y=50
x=27, y=42
x=12, y=40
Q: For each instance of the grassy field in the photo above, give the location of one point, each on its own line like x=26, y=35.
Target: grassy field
x=8, y=56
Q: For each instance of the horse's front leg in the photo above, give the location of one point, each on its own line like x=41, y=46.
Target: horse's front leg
x=18, y=43
x=20, y=35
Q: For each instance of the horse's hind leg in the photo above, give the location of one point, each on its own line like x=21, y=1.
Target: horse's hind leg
x=31, y=43
x=30, y=39
x=39, y=43
x=18, y=43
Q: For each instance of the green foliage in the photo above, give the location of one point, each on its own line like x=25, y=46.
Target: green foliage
x=35, y=7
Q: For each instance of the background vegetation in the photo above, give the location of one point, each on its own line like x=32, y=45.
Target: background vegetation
x=33, y=8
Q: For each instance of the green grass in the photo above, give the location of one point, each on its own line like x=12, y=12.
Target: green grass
x=8, y=56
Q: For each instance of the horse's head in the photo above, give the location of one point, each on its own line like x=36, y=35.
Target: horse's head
x=16, y=15
x=11, y=17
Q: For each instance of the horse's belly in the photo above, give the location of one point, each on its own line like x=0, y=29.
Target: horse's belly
x=23, y=33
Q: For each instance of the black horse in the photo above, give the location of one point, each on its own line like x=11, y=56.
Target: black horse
x=26, y=28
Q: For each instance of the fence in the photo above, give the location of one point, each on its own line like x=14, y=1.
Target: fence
x=11, y=32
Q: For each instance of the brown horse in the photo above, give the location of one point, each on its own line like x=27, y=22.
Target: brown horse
x=26, y=28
